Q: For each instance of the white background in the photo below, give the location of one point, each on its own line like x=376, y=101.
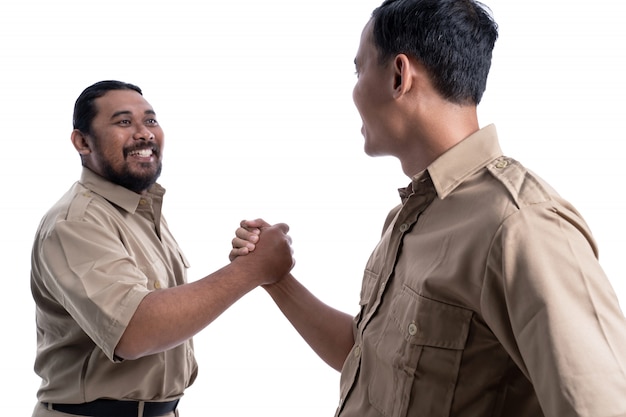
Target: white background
x=255, y=100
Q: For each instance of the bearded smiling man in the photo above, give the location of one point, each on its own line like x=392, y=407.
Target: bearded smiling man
x=135, y=166
x=115, y=314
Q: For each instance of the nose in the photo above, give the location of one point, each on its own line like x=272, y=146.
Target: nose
x=143, y=133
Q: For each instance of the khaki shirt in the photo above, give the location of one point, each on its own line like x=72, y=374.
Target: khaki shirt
x=97, y=253
x=484, y=298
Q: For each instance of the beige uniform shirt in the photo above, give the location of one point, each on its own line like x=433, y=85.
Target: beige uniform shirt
x=485, y=298
x=97, y=253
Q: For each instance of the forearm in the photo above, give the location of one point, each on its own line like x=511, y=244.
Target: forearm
x=327, y=330
x=166, y=318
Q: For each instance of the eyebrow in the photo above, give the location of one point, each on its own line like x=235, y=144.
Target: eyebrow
x=125, y=112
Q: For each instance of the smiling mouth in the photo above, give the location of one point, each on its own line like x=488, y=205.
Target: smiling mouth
x=141, y=153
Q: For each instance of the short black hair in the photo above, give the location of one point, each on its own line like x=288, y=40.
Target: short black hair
x=453, y=39
x=85, y=109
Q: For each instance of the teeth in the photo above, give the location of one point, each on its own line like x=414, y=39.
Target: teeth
x=144, y=153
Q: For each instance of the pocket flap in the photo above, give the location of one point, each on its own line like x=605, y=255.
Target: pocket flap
x=427, y=322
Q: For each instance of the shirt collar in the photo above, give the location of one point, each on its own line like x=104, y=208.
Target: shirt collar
x=462, y=160
x=116, y=194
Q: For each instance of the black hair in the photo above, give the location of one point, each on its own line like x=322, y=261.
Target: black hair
x=84, y=108
x=453, y=39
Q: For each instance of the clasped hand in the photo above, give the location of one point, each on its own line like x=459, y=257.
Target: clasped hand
x=269, y=246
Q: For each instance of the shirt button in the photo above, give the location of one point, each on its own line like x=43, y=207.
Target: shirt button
x=404, y=227
x=142, y=202
x=357, y=351
x=412, y=329
x=501, y=164
x=157, y=285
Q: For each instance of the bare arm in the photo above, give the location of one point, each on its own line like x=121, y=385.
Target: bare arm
x=327, y=330
x=166, y=318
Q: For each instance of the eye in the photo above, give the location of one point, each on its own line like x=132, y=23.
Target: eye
x=124, y=122
x=152, y=122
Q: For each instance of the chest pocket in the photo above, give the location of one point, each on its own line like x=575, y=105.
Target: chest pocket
x=418, y=356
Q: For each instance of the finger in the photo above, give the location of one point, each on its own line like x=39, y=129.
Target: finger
x=254, y=224
x=236, y=252
x=249, y=235
x=238, y=243
x=284, y=227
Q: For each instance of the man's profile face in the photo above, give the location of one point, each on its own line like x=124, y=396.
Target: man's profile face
x=125, y=140
x=372, y=96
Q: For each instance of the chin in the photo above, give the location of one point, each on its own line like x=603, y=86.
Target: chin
x=372, y=151
x=369, y=152
x=367, y=148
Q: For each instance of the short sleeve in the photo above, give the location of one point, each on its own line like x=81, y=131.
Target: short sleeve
x=90, y=273
x=553, y=308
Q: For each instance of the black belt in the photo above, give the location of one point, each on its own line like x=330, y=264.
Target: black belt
x=115, y=408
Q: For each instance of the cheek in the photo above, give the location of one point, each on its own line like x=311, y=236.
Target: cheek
x=113, y=154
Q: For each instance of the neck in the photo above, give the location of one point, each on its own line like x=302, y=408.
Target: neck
x=443, y=126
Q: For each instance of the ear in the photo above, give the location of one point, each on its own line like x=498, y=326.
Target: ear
x=79, y=140
x=402, y=80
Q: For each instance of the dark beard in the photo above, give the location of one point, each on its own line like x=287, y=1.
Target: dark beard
x=136, y=183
